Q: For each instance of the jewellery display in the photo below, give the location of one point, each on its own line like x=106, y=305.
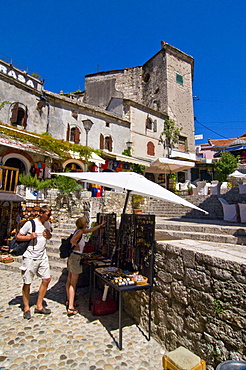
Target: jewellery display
x=106, y=235
x=136, y=242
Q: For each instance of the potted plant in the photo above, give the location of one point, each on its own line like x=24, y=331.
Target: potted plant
x=190, y=190
x=34, y=187
x=136, y=203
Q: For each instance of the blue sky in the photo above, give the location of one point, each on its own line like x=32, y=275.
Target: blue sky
x=65, y=40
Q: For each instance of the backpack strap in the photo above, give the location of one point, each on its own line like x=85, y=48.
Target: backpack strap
x=33, y=229
x=33, y=225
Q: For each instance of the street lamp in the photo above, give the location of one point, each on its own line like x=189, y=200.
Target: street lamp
x=87, y=123
x=129, y=146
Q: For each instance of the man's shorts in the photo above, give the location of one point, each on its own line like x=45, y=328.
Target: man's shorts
x=73, y=263
x=31, y=267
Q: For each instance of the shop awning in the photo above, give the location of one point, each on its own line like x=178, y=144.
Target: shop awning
x=26, y=146
x=230, y=149
x=95, y=158
x=11, y=197
x=168, y=165
x=125, y=158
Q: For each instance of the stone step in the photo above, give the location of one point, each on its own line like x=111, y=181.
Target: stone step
x=236, y=230
x=208, y=237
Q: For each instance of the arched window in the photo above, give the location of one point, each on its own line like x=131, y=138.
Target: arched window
x=150, y=148
x=19, y=115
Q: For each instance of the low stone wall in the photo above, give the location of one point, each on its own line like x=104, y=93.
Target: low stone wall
x=198, y=301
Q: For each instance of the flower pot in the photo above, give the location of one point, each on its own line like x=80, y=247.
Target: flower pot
x=137, y=211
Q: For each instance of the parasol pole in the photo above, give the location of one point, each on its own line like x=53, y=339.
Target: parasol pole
x=126, y=201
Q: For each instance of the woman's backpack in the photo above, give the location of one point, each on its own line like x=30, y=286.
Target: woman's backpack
x=66, y=246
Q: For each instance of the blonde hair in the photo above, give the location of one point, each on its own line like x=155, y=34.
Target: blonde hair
x=81, y=223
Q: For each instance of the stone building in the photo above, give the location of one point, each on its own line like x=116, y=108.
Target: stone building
x=163, y=86
x=127, y=109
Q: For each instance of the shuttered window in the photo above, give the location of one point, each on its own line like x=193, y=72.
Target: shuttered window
x=150, y=148
x=75, y=135
x=179, y=79
x=19, y=115
x=68, y=132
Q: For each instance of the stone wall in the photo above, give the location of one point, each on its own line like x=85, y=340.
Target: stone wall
x=198, y=301
x=66, y=208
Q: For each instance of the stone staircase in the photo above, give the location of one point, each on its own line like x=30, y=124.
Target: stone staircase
x=214, y=231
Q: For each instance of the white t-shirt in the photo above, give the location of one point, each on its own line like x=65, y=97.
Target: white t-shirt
x=81, y=243
x=36, y=248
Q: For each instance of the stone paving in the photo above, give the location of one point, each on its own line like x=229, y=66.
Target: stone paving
x=60, y=342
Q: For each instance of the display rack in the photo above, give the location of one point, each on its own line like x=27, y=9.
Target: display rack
x=105, y=239
x=136, y=240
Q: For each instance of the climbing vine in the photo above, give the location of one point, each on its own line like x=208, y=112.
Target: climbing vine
x=47, y=142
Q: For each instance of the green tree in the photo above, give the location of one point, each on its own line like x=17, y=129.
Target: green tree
x=226, y=165
x=171, y=134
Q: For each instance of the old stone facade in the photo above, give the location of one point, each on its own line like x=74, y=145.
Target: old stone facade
x=126, y=107
x=198, y=302
x=163, y=83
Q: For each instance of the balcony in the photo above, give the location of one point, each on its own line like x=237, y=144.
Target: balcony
x=8, y=179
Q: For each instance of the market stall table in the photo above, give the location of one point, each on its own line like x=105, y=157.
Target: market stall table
x=121, y=290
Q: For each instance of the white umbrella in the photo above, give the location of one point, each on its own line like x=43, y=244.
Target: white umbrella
x=132, y=183
x=237, y=175
x=168, y=165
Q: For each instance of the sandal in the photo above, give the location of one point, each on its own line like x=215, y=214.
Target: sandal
x=72, y=311
x=75, y=304
x=44, y=311
x=27, y=315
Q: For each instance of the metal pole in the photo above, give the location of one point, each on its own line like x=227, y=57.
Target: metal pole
x=86, y=144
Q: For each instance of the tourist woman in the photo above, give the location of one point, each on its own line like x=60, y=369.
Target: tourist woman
x=75, y=261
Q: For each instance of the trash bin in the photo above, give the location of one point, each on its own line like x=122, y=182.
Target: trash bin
x=232, y=365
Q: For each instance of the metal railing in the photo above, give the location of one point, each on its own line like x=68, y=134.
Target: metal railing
x=8, y=179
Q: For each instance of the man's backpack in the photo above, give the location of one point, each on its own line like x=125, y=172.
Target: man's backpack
x=17, y=248
x=66, y=246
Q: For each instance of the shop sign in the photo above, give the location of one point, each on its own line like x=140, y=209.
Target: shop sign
x=7, y=70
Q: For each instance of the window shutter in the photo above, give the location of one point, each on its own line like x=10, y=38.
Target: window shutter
x=155, y=125
x=110, y=145
x=101, y=141
x=24, y=119
x=76, y=135
x=14, y=115
x=68, y=132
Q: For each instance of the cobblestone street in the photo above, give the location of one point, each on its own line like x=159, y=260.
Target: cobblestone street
x=59, y=342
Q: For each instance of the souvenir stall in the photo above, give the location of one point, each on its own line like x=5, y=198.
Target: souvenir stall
x=131, y=267
x=134, y=266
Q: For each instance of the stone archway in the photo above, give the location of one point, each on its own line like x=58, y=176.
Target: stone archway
x=17, y=161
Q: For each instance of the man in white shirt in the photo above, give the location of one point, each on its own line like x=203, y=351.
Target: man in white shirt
x=35, y=260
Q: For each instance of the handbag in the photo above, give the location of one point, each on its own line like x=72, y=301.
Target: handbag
x=17, y=248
